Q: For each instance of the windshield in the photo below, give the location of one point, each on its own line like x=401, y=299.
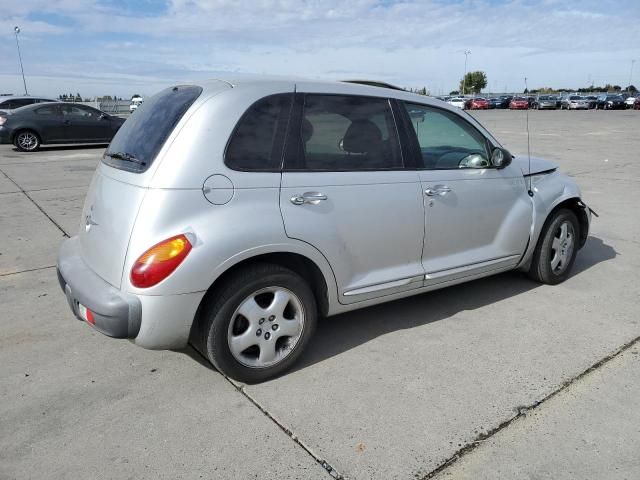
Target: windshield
x=141, y=137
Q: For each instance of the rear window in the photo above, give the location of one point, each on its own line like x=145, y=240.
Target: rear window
x=141, y=137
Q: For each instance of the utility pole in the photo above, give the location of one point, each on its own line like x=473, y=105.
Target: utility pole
x=631, y=73
x=16, y=30
x=464, y=79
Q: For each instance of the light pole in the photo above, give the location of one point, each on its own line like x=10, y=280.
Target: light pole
x=464, y=79
x=631, y=73
x=17, y=31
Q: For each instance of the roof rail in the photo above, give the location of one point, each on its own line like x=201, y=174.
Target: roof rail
x=374, y=83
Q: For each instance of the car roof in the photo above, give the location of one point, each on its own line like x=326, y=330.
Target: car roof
x=250, y=81
x=33, y=106
x=19, y=97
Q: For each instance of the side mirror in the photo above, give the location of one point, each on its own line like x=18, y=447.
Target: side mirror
x=500, y=158
x=103, y=116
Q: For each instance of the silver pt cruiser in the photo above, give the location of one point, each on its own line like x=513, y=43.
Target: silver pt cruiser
x=234, y=213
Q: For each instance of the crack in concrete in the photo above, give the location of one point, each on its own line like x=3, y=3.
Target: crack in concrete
x=523, y=410
x=287, y=431
x=24, y=192
x=27, y=270
x=44, y=189
x=323, y=463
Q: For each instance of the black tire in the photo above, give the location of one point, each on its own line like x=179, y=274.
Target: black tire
x=221, y=307
x=26, y=141
x=541, y=266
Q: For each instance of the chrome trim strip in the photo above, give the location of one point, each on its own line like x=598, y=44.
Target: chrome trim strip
x=382, y=286
x=474, y=266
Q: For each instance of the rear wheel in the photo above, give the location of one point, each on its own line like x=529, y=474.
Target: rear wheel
x=259, y=323
x=27, y=141
x=556, y=249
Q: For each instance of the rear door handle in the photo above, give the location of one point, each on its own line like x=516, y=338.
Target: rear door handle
x=312, y=198
x=437, y=191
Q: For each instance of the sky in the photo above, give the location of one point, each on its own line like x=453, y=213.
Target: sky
x=118, y=47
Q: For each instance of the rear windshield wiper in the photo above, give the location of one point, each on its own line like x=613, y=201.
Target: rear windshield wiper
x=127, y=157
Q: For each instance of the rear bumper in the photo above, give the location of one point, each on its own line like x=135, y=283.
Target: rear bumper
x=115, y=314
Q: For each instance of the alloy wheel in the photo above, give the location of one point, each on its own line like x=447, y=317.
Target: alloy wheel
x=27, y=141
x=266, y=327
x=562, y=247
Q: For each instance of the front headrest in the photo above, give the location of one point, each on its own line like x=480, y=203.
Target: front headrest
x=361, y=137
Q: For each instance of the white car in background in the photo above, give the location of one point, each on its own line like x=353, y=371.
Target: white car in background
x=457, y=102
x=629, y=101
x=135, y=103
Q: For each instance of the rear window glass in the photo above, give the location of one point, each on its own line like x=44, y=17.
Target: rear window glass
x=141, y=137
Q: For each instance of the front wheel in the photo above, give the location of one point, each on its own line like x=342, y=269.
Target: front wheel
x=557, y=248
x=259, y=323
x=27, y=141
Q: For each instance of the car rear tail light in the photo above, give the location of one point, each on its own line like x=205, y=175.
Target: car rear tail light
x=90, y=318
x=160, y=261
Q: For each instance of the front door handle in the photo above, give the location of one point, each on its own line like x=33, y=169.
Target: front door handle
x=312, y=198
x=437, y=191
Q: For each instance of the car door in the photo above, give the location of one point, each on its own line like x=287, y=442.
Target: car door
x=49, y=123
x=83, y=124
x=344, y=190
x=477, y=217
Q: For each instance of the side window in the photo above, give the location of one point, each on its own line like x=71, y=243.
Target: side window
x=48, y=110
x=257, y=141
x=8, y=104
x=346, y=133
x=78, y=112
x=22, y=102
x=89, y=112
x=447, y=141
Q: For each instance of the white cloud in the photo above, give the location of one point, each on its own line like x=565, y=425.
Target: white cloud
x=410, y=42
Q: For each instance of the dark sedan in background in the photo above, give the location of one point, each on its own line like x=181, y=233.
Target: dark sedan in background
x=500, y=102
x=610, y=102
x=34, y=125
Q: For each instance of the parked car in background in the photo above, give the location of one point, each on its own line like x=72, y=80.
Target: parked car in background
x=544, y=102
x=636, y=104
x=135, y=103
x=519, y=103
x=610, y=102
x=56, y=122
x=500, y=102
x=477, y=103
x=328, y=216
x=457, y=102
x=592, y=100
x=631, y=100
x=574, y=102
x=8, y=104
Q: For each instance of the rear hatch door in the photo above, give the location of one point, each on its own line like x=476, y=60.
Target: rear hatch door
x=121, y=181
